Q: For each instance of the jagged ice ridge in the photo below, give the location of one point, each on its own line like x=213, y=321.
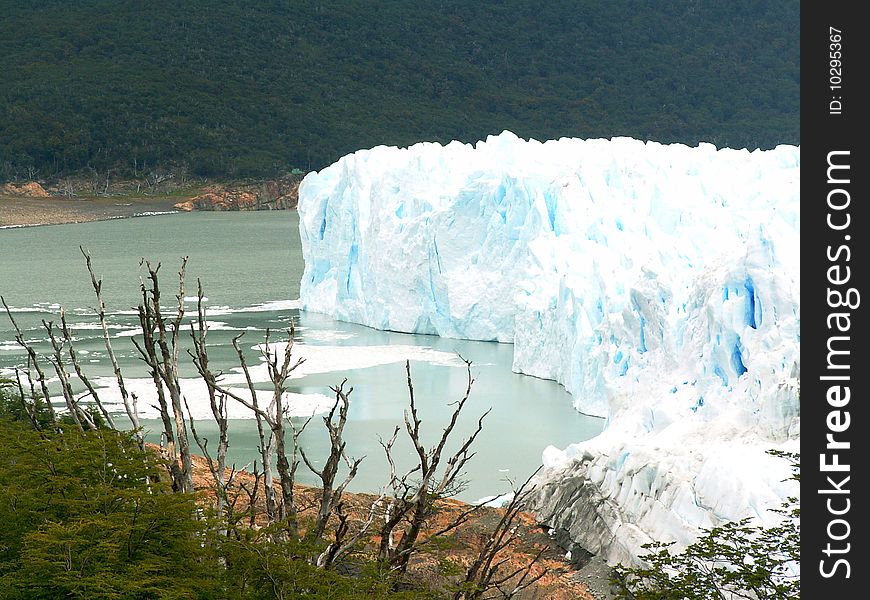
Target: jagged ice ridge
x=658, y=283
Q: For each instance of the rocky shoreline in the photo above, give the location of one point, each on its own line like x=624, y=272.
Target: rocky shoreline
x=30, y=212
x=568, y=576
x=31, y=204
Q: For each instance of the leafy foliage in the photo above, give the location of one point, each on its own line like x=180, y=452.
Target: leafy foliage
x=250, y=88
x=13, y=409
x=89, y=515
x=735, y=560
x=257, y=568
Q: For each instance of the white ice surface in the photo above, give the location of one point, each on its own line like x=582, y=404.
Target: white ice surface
x=658, y=283
x=317, y=359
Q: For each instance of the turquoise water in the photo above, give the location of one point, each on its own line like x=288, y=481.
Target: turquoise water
x=250, y=265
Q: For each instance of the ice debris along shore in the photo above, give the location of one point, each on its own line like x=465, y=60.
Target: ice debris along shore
x=658, y=283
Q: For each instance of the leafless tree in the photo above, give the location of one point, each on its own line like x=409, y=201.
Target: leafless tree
x=57, y=345
x=487, y=576
x=128, y=400
x=279, y=365
x=279, y=371
x=253, y=494
x=156, y=178
x=182, y=173
x=413, y=502
x=29, y=409
x=159, y=349
x=8, y=170
x=68, y=338
x=341, y=543
x=66, y=188
x=217, y=403
x=330, y=494
x=224, y=482
x=33, y=363
x=266, y=446
x=224, y=503
x=99, y=184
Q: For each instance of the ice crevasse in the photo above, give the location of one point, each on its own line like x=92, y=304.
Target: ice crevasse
x=658, y=283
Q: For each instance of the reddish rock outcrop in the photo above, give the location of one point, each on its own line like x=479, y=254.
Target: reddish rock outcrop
x=31, y=189
x=221, y=200
x=277, y=194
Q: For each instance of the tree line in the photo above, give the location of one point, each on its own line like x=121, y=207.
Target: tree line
x=252, y=89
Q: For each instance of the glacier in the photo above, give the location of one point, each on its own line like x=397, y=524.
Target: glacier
x=658, y=283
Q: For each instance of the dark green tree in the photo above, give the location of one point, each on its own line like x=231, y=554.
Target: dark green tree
x=89, y=515
x=251, y=88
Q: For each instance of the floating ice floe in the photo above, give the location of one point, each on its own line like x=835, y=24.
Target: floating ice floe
x=316, y=359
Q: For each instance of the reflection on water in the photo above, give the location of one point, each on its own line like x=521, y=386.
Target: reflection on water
x=250, y=265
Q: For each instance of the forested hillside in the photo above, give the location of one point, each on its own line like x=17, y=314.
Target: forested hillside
x=231, y=88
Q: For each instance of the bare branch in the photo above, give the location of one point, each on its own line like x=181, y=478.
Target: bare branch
x=29, y=410
x=339, y=547
x=164, y=370
x=129, y=404
x=484, y=574
x=330, y=496
x=67, y=336
x=217, y=403
x=33, y=360
x=273, y=416
x=415, y=505
x=63, y=376
x=266, y=446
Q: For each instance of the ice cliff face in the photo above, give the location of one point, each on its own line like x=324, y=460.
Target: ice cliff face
x=658, y=283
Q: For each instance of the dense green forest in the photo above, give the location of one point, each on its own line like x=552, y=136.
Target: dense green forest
x=252, y=88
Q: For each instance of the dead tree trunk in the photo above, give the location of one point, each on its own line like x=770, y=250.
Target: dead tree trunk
x=341, y=544
x=160, y=351
x=274, y=415
x=217, y=403
x=279, y=371
x=330, y=495
x=66, y=389
x=218, y=470
x=415, y=503
x=266, y=446
x=128, y=401
x=252, y=493
x=149, y=356
x=29, y=409
x=67, y=336
x=169, y=350
x=33, y=362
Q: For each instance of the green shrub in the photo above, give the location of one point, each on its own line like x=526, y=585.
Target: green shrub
x=736, y=559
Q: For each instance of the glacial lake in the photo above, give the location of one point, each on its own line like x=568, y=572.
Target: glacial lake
x=250, y=265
